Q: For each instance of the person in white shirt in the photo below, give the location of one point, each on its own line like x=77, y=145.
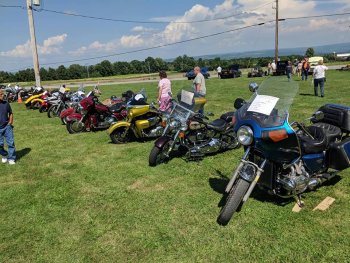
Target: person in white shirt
x=219, y=69
x=273, y=67
x=319, y=76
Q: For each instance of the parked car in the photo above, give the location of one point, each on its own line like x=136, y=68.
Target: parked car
x=256, y=72
x=280, y=68
x=346, y=68
x=231, y=72
x=190, y=75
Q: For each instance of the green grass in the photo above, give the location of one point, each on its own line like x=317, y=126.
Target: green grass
x=79, y=198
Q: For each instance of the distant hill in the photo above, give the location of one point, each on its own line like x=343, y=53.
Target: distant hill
x=325, y=49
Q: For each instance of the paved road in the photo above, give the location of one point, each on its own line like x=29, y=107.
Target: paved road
x=178, y=76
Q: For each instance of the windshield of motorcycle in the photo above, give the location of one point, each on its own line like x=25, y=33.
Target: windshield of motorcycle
x=270, y=104
x=182, y=109
x=139, y=98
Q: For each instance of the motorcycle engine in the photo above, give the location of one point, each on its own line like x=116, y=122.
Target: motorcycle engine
x=296, y=180
x=196, y=136
x=195, y=125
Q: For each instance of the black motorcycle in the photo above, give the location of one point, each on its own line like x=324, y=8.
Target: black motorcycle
x=190, y=133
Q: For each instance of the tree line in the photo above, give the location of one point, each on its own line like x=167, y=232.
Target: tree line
x=149, y=65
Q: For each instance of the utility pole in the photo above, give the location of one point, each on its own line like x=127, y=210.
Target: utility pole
x=33, y=43
x=276, y=34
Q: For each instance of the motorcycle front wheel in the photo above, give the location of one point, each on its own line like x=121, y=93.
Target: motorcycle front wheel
x=158, y=156
x=75, y=126
x=42, y=109
x=54, y=111
x=233, y=201
x=120, y=135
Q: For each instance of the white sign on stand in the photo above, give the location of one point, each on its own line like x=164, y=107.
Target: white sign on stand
x=263, y=104
x=187, y=97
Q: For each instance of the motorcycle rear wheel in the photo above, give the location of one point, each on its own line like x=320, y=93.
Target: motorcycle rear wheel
x=157, y=155
x=35, y=105
x=42, y=109
x=118, y=136
x=233, y=201
x=75, y=127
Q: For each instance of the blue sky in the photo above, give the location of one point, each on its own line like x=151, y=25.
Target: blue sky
x=62, y=38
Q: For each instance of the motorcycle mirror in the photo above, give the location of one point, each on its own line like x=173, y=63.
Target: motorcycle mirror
x=318, y=115
x=253, y=87
x=239, y=102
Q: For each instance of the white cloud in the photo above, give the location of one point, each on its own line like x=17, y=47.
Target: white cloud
x=132, y=41
x=51, y=45
x=244, y=13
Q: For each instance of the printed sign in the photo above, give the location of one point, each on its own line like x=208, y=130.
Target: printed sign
x=187, y=97
x=263, y=104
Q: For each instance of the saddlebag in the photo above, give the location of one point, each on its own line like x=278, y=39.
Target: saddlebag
x=338, y=155
x=338, y=115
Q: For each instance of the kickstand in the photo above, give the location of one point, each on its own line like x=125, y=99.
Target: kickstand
x=300, y=202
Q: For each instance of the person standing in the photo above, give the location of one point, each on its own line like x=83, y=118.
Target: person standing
x=305, y=69
x=164, y=92
x=273, y=67
x=289, y=70
x=6, y=131
x=269, y=69
x=319, y=75
x=199, y=85
x=300, y=66
x=219, y=69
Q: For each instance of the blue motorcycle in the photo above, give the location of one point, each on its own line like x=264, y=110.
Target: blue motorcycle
x=285, y=159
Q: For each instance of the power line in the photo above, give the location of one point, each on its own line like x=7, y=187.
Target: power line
x=139, y=21
x=191, y=39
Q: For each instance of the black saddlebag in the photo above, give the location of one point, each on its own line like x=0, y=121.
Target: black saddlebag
x=338, y=155
x=337, y=115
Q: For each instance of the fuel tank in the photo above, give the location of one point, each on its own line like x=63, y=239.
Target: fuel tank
x=138, y=111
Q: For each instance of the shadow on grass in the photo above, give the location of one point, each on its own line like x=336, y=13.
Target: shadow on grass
x=307, y=94
x=23, y=152
x=219, y=185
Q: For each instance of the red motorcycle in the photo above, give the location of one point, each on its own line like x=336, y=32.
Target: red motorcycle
x=93, y=115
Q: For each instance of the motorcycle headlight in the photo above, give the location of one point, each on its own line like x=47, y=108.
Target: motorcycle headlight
x=245, y=135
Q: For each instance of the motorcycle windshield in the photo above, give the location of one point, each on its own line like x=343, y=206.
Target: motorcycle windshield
x=269, y=106
x=183, y=108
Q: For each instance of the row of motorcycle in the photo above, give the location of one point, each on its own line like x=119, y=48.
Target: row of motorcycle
x=281, y=158
x=181, y=131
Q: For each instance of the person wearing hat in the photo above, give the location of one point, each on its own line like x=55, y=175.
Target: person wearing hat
x=6, y=131
x=319, y=76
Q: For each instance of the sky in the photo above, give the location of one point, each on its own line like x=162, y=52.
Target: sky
x=62, y=38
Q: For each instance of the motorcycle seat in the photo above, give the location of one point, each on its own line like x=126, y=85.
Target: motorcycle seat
x=116, y=107
x=332, y=132
x=227, y=116
x=218, y=125
x=316, y=144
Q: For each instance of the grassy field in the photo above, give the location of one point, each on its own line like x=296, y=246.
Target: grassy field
x=80, y=198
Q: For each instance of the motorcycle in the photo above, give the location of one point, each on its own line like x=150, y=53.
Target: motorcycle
x=189, y=130
x=36, y=93
x=284, y=159
x=92, y=114
x=143, y=121
x=57, y=105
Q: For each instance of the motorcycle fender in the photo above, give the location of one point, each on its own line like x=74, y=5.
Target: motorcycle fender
x=74, y=116
x=161, y=141
x=247, y=174
x=118, y=125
